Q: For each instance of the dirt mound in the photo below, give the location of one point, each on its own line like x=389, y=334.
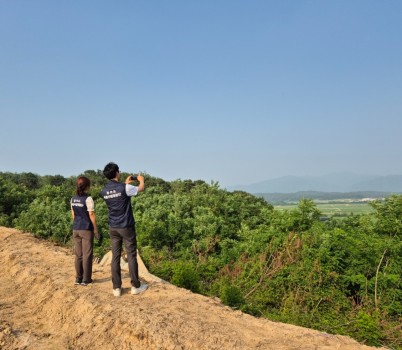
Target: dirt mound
x=41, y=308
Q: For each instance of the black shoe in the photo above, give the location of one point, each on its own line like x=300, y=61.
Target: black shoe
x=85, y=283
x=77, y=282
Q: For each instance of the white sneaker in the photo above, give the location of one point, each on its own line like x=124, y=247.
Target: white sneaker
x=140, y=289
x=117, y=292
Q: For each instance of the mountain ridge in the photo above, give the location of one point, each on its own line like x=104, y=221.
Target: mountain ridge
x=336, y=182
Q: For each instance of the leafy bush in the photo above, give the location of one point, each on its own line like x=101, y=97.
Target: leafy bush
x=367, y=328
x=232, y=296
x=47, y=218
x=185, y=276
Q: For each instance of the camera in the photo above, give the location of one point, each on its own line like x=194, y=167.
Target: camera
x=133, y=177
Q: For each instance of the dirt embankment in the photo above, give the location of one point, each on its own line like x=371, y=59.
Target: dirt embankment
x=41, y=308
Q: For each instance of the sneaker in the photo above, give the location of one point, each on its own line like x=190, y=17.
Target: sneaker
x=85, y=283
x=117, y=292
x=77, y=282
x=140, y=289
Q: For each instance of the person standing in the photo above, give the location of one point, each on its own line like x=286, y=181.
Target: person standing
x=84, y=229
x=117, y=196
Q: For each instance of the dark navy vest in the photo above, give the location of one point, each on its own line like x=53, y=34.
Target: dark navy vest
x=119, y=205
x=81, y=215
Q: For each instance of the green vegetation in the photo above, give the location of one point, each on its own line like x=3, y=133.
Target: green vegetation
x=339, y=276
x=337, y=209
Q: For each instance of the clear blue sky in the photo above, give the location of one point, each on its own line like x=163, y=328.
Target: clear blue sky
x=224, y=90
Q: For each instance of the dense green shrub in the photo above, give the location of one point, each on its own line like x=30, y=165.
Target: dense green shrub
x=185, y=276
x=232, y=296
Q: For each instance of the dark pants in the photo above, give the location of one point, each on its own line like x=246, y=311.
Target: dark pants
x=83, y=247
x=129, y=237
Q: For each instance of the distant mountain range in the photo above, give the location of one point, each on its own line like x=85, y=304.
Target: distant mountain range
x=341, y=182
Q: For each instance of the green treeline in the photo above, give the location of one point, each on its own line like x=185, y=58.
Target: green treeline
x=337, y=276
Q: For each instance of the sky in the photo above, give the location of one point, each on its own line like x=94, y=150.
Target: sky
x=229, y=91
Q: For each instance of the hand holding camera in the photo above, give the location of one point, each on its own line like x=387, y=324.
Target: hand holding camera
x=138, y=178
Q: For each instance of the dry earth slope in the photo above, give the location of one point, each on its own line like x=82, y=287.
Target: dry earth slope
x=40, y=308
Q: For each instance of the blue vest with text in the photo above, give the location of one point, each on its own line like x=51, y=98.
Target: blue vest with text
x=119, y=205
x=81, y=215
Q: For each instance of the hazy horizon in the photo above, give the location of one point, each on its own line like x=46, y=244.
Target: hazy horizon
x=236, y=92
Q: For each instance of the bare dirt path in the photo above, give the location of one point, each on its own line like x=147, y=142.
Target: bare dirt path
x=41, y=308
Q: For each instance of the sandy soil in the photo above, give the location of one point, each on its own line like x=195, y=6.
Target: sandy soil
x=41, y=308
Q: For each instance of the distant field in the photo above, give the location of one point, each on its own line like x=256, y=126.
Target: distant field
x=338, y=209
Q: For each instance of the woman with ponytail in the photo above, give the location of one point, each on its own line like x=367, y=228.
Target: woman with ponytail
x=84, y=230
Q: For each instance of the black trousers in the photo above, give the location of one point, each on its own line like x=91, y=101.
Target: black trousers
x=83, y=248
x=129, y=237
